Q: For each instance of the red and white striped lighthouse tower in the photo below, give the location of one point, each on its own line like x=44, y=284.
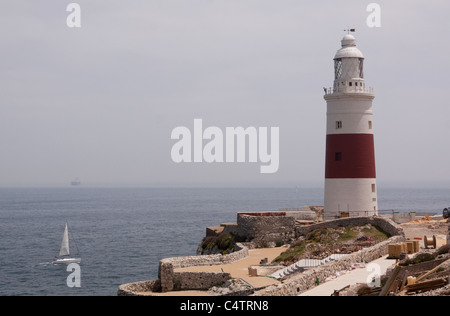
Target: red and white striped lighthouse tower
x=350, y=176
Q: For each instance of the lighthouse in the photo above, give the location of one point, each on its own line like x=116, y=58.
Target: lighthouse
x=350, y=174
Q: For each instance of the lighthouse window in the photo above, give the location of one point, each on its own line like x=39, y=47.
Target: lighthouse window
x=338, y=156
x=361, y=68
x=373, y=188
x=370, y=125
x=338, y=124
x=338, y=68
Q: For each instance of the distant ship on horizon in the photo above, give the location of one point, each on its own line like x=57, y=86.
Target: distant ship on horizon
x=75, y=182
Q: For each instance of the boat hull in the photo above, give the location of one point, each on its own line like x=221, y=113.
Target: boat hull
x=66, y=260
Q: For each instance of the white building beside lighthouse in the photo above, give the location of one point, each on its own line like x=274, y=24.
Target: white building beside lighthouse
x=350, y=174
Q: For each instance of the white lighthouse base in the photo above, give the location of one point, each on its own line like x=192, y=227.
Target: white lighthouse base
x=350, y=198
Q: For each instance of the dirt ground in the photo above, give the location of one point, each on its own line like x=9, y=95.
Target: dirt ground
x=426, y=227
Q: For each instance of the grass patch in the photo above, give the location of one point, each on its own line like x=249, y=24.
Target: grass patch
x=376, y=233
x=349, y=234
x=295, y=251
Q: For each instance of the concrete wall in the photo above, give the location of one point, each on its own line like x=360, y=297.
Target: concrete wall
x=400, y=218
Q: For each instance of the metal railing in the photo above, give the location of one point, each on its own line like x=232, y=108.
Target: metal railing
x=348, y=89
x=345, y=214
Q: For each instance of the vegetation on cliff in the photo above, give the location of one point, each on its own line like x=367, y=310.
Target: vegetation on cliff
x=223, y=244
x=321, y=243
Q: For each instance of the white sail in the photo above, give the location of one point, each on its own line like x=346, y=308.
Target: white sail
x=65, y=251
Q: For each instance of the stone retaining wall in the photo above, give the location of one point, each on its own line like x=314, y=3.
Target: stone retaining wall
x=133, y=289
x=198, y=280
x=265, y=227
x=262, y=229
x=171, y=280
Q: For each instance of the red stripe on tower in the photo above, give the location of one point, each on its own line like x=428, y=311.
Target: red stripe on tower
x=350, y=156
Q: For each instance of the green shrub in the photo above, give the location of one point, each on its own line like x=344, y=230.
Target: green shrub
x=226, y=243
x=291, y=254
x=423, y=257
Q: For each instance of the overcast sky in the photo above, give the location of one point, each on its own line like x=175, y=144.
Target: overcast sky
x=100, y=102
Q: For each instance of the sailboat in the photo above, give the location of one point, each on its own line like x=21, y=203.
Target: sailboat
x=64, y=252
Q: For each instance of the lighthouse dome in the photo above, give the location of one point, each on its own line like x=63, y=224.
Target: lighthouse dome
x=349, y=49
x=348, y=40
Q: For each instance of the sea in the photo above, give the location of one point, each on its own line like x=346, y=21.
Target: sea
x=121, y=234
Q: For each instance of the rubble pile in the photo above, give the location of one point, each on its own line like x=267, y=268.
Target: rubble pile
x=424, y=274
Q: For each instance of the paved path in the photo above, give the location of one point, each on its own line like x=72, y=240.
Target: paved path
x=239, y=269
x=358, y=275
